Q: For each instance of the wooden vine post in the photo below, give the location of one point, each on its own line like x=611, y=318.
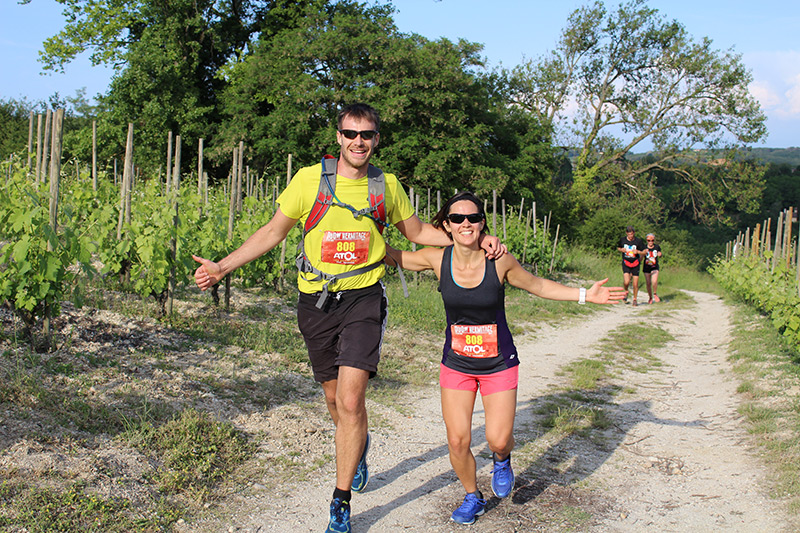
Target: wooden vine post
x=503, y=203
x=173, y=243
x=38, y=147
x=41, y=178
x=281, y=273
x=240, y=172
x=494, y=211
x=231, y=219
x=55, y=174
x=201, y=193
x=169, y=162
x=555, y=243
x=94, y=155
x=125, y=199
x=525, y=241
x=30, y=141
x=787, y=239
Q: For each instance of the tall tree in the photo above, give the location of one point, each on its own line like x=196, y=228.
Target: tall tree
x=445, y=124
x=167, y=55
x=618, y=79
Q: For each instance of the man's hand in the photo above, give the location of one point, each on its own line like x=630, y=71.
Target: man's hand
x=207, y=274
x=492, y=246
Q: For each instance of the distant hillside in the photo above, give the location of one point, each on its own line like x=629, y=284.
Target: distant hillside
x=775, y=156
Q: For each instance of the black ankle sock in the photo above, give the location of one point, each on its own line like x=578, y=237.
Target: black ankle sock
x=344, y=495
x=478, y=494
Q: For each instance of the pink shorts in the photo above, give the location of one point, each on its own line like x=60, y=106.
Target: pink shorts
x=488, y=383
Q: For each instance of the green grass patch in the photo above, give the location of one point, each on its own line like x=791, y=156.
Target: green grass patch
x=574, y=418
x=766, y=365
x=634, y=346
x=690, y=279
x=27, y=508
x=586, y=374
x=423, y=310
x=195, y=450
x=273, y=333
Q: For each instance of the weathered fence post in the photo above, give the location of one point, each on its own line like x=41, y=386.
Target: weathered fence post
x=169, y=163
x=281, y=274
x=94, y=155
x=30, y=141
x=46, y=148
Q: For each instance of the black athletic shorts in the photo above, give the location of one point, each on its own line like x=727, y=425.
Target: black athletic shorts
x=347, y=331
x=647, y=269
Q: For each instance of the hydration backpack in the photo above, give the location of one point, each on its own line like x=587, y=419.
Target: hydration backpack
x=326, y=197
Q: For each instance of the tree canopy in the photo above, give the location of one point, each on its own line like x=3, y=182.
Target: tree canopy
x=617, y=80
x=273, y=73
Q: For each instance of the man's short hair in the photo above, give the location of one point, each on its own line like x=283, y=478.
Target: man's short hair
x=360, y=111
x=629, y=228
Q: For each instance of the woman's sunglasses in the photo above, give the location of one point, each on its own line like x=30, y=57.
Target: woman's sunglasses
x=365, y=134
x=458, y=218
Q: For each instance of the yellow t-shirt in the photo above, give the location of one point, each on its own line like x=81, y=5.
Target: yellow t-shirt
x=341, y=243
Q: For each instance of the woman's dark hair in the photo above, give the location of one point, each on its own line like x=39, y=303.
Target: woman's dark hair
x=441, y=216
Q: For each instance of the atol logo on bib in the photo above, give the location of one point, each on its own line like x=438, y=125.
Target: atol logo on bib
x=474, y=341
x=345, y=247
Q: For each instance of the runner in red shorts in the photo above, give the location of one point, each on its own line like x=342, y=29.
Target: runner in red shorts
x=650, y=267
x=479, y=352
x=632, y=248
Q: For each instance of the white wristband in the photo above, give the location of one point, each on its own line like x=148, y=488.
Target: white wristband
x=582, y=296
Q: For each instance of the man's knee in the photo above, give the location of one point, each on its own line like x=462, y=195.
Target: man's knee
x=350, y=402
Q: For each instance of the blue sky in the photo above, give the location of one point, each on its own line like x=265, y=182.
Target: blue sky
x=765, y=33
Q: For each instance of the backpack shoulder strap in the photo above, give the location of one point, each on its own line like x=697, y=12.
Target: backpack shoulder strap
x=377, y=195
x=324, y=199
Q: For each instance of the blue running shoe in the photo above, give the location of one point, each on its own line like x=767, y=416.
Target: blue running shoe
x=469, y=510
x=340, y=517
x=362, y=472
x=502, y=477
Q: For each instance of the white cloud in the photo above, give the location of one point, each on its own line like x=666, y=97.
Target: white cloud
x=793, y=97
x=765, y=94
x=776, y=81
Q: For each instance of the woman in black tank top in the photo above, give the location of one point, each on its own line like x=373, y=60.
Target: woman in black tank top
x=479, y=352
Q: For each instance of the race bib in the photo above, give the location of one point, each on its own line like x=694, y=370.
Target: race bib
x=474, y=341
x=345, y=247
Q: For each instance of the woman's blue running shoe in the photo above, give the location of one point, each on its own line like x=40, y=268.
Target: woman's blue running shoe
x=469, y=510
x=502, y=477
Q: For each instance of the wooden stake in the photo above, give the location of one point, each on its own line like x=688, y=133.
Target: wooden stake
x=39, y=134
x=281, y=273
x=30, y=140
x=555, y=243
x=494, y=212
x=169, y=163
x=46, y=148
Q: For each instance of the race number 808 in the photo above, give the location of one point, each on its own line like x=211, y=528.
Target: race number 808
x=344, y=246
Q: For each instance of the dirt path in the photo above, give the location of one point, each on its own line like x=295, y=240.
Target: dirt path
x=675, y=457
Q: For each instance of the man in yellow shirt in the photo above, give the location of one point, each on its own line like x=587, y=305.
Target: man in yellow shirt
x=345, y=331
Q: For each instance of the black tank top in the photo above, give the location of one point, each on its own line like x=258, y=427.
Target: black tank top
x=484, y=304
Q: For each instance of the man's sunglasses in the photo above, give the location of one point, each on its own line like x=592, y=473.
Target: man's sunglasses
x=365, y=134
x=458, y=218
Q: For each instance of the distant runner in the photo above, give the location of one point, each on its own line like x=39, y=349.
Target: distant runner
x=650, y=268
x=631, y=247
